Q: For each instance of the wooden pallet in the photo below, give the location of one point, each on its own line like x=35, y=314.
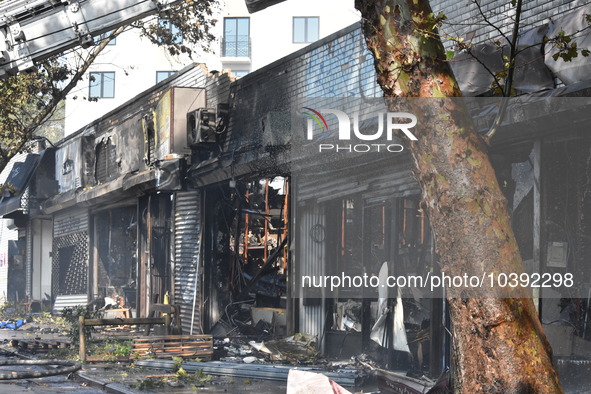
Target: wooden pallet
x=169, y=346
x=38, y=345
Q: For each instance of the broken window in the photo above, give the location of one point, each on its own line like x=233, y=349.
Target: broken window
x=515, y=173
x=565, y=246
x=154, y=277
x=349, y=242
x=16, y=271
x=392, y=237
x=149, y=139
x=114, y=273
x=263, y=232
x=106, y=168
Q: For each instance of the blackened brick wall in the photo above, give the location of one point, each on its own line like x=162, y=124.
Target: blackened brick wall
x=465, y=20
x=338, y=66
x=341, y=66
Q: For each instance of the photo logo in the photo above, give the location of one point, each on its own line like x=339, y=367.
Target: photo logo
x=317, y=116
x=395, y=122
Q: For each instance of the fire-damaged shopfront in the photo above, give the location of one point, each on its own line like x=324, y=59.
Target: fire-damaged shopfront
x=245, y=254
x=362, y=215
x=125, y=230
x=210, y=193
x=272, y=215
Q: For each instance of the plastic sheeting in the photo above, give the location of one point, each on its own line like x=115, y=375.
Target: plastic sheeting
x=377, y=333
x=400, y=341
x=474, y=71
x=303, y=382
x=575, y=25
x=536, y=67
x=470, y=69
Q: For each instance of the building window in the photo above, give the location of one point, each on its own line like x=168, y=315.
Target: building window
x=105, y=168
x=173, y=31
x=162, y=75
x=102, y=85
x=305, y=29
x=236, y=41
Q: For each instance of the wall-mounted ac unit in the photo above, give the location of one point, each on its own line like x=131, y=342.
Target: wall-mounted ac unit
x=201, y=127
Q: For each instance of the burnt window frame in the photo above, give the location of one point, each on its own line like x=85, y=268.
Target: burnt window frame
x=105, y=151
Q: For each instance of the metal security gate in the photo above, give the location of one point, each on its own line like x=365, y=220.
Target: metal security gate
x=70, y=253
x=187, y=278
x=311, y=253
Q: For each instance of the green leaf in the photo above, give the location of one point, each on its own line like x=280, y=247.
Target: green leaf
x=449, y=55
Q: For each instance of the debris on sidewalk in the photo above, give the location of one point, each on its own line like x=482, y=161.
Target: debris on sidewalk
x=174, y=346
x=350, y=377
x=12, y=324
x=298, y=348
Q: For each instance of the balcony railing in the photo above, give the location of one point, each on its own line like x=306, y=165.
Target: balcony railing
x=236, y=46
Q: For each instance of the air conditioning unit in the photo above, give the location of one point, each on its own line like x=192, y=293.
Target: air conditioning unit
x=201, y=127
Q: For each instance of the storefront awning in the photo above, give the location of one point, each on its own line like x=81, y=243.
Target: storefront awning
x=18, y=179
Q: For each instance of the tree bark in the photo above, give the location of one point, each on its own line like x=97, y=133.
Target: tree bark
x=499, y=345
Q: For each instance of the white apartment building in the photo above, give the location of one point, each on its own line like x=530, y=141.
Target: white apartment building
x=246, y=42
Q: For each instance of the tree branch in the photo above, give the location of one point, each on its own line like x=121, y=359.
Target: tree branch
x=489, y=23
x=509, y=81
x=56, y=98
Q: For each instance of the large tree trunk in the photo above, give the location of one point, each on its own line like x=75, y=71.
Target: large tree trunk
x=499, y=345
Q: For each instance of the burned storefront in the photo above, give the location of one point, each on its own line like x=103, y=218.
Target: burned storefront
x=245, y=255
x=245, y=235
x=544, y=172
x=246, y=204
x=273, y=214
x=115, y=263
x=361, y=214
x=120, y=197
x=375, y=228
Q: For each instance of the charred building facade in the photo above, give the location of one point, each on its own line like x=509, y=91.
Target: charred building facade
x=204, y=188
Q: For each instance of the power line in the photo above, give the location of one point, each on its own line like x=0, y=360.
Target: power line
x=56, y=46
